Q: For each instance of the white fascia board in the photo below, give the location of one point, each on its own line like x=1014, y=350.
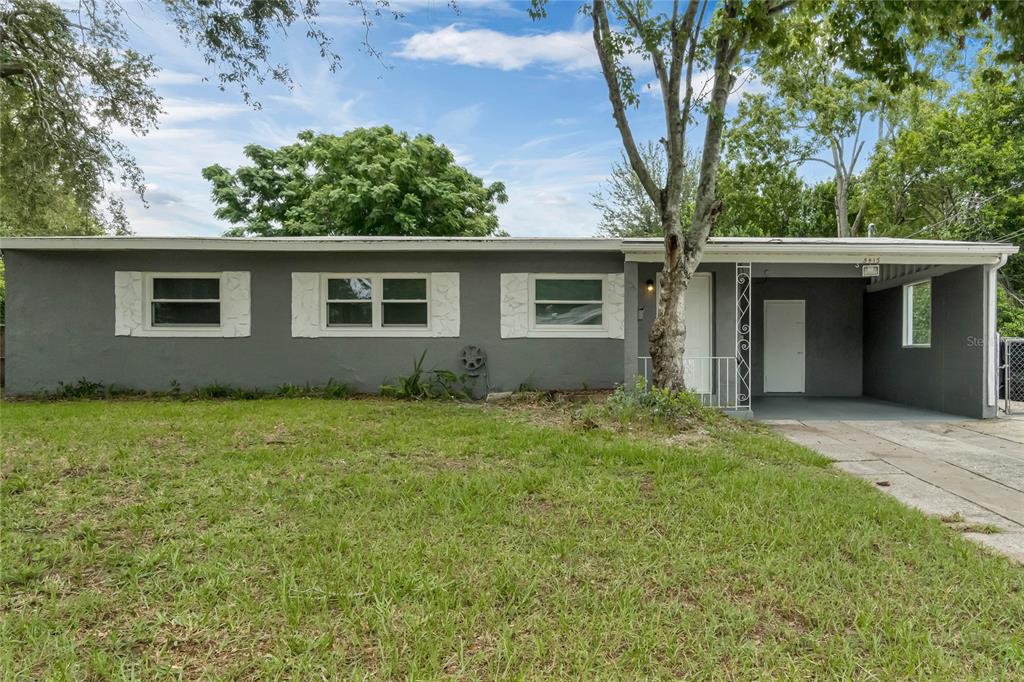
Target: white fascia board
x=718, y=250
x=319, y=244
x=930, y=253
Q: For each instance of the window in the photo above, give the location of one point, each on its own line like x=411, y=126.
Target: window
x=376, y=301
x=404, y=302
x=350, y=302
x=567, y=302
x=184, y=301
x=917, y=314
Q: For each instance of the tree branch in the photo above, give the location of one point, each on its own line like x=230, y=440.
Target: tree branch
x=602, y=39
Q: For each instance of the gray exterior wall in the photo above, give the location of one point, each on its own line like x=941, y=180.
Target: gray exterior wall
x=950, y=375
x=60, y=324
x=723, y=306
x=833, y=321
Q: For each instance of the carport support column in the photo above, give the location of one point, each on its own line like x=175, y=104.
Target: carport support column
x=743, y=304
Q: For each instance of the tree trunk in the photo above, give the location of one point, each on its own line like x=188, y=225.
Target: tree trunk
x=842, y=206
x=683, y=254
x=668, y=333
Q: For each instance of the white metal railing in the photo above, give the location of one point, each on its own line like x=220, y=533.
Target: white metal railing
x=714, y=379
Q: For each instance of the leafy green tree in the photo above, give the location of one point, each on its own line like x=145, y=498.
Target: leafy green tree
x=69, y=78
x=369, y=181
x=626, y=209
x=684, y=39
x=956, y=170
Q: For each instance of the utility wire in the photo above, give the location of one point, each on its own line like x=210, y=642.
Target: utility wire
x=955, y=215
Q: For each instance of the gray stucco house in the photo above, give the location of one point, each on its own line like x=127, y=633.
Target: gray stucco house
x=909, y=321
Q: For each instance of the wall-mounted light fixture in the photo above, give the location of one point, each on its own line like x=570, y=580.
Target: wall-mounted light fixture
x=649, y=286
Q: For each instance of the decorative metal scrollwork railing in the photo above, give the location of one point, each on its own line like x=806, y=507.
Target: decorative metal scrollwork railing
x=743, y=325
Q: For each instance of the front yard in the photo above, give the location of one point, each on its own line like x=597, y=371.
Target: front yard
x=366, y=538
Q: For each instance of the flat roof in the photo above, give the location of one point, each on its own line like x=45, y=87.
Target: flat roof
x=718, y=249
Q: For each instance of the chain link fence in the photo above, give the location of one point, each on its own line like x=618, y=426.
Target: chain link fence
x=1013, y=375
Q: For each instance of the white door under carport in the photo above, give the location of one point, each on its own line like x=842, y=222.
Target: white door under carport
x=784, y=344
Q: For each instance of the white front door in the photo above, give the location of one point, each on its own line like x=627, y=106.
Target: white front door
x=698, y=334
x=783, y=346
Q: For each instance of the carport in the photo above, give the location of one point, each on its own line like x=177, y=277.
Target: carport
x=903, y=327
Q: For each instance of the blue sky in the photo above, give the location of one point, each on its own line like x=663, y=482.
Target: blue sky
x=516, y=100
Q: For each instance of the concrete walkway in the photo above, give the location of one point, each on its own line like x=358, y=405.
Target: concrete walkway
x=969, y=473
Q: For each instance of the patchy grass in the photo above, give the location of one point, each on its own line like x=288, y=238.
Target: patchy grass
x=313, y=538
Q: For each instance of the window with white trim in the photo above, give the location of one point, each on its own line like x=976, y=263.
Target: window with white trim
x=376, y=301
x=917, y=314
x=567, y=302
x=190, y=301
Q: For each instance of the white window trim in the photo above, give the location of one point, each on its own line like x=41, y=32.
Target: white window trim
x=149, y=329
x=566, y=330
x=377, y=328
x=908, y=315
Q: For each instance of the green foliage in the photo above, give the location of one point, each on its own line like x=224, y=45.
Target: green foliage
x=369, y=181
x=67, y=83
x=421, y=384
x=86, y=389
x=70, y=82
x=956, y=169
x=626, y=209
x=1010, y=315
x=213, y=391
x=641, y=402
x=83, y=388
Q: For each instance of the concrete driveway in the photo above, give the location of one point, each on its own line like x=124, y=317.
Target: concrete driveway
x=969, y=473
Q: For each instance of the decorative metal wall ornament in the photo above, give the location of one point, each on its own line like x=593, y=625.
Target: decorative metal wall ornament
x=743, y=301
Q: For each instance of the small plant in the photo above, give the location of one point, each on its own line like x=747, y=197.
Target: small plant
x=421, y=384
x=335, y=390
x=212, y=391
x=650, y=403
x=175, y=388
x=246, y=394
x=83, y=388
x=289, y=391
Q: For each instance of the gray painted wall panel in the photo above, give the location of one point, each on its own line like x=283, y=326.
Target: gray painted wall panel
x=833, y=327
x=723, y=308
x=60, y=324
x=949, y=376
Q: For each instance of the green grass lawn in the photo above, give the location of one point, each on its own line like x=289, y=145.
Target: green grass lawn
x=363, y=538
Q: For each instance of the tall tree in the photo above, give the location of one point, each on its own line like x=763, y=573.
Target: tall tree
x=866, y=36
x=956, y=171
x=626, y=209
x=818, y=113
x=369, y=181
x=69, y=78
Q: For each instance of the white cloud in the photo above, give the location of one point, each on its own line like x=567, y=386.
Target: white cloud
x=177, y=111
x=459, y=121
x=546, y=140
x=172, y=77
x=566, y=50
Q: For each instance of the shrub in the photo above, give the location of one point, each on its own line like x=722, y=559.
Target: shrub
x=290, y=391
x=83, y=388
x=214, y=390
x=650, y=403
x=335, y=390
x=437, y=384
